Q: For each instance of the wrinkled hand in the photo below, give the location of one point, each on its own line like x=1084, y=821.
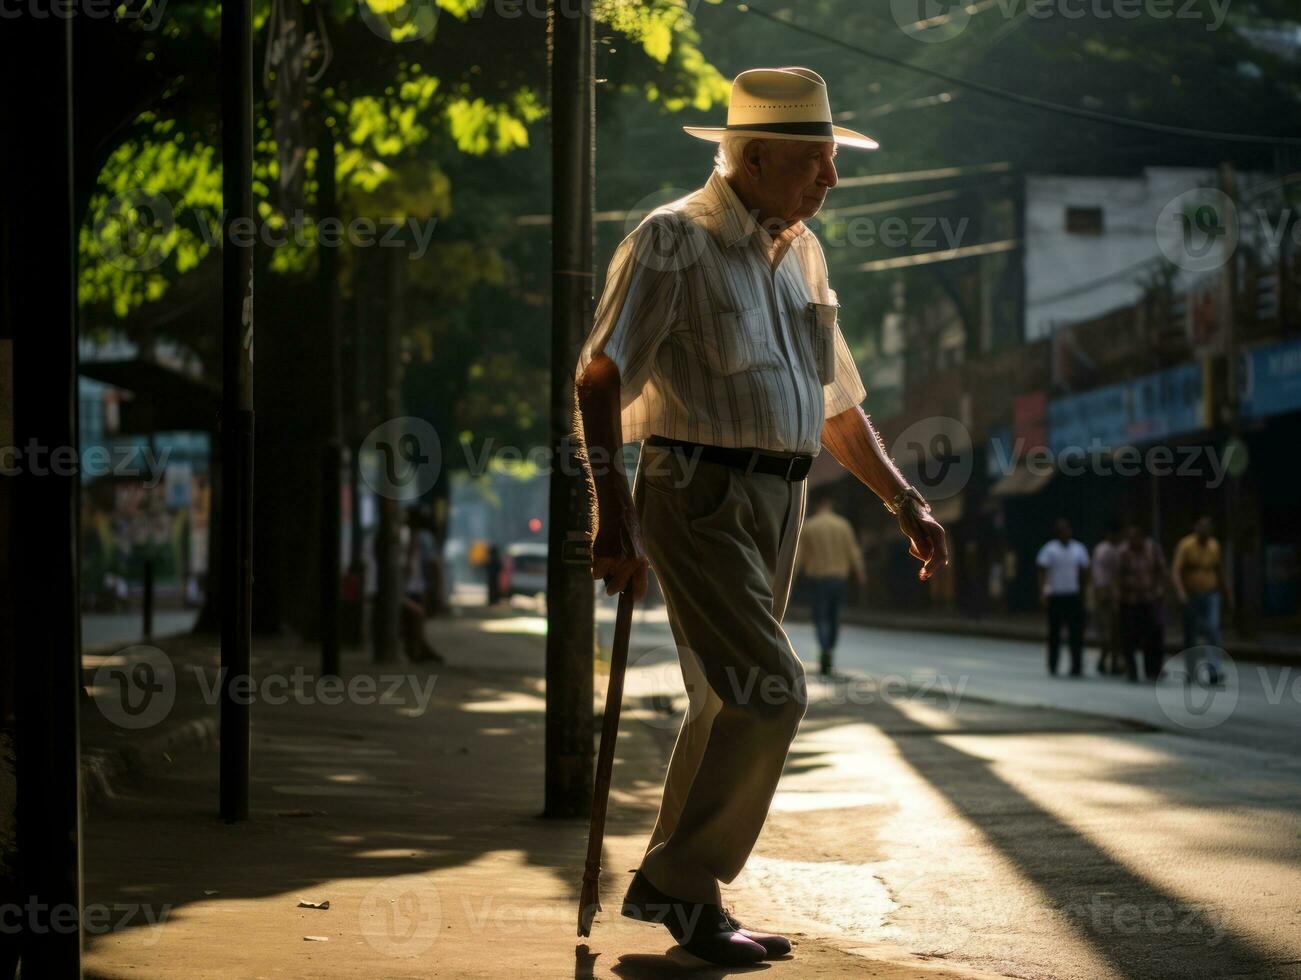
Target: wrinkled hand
x=927, y=541
x=617, y=553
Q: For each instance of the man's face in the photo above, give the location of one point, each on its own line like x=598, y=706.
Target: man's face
x=1202, y=528
x=794, y=177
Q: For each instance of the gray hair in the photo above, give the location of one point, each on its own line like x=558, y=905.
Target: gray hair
x=727, y=160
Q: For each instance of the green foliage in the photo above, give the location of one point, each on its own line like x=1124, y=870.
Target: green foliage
x=397, y=122
x=438, y=114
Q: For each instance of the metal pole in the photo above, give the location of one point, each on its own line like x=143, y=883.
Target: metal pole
x=332, y=447
x=236, y=401
x=570, y=635
x=390, y=586
x=38, y=389
x=362, y=315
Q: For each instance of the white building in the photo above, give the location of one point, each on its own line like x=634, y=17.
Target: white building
x=1091, y=242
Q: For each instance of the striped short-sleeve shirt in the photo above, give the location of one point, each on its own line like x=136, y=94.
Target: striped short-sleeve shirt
x=712, y=343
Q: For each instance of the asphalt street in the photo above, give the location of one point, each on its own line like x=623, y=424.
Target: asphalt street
x=946, y=795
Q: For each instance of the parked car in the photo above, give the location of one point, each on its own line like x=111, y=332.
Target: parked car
x=524, y=569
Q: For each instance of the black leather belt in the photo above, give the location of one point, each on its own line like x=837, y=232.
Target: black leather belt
x=791, y=468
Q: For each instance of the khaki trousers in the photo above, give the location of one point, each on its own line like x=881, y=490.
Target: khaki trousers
x=722, y=544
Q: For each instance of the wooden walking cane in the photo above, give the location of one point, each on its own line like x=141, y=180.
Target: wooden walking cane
x=589, y=900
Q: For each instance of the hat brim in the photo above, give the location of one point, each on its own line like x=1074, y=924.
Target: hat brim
x=841, y=135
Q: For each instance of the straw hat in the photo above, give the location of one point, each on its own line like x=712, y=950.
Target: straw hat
x=782, y=103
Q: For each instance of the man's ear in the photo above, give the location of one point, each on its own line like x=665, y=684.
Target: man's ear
x=752, y=157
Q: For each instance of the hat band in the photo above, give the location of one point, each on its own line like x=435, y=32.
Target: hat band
x=787, y=128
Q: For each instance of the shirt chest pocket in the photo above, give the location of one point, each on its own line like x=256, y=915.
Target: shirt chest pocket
x=730, y=341
x=820, y=321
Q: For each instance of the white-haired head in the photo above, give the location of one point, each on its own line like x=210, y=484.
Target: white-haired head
x=727, y=160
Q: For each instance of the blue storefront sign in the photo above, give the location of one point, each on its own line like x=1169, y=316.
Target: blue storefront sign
x=1270, y=380
x=1153, y=407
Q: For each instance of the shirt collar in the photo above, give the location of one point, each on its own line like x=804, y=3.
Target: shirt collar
x=730, y=222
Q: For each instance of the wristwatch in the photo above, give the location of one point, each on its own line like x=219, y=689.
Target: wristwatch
x=902, y=499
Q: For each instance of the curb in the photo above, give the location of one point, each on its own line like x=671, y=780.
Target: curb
x=105, y=770
x=1247, y=652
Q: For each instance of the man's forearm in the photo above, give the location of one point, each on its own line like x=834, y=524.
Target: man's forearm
x=854, y=442
x=599, y=403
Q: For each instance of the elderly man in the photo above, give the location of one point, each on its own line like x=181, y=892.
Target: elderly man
x=716, y=342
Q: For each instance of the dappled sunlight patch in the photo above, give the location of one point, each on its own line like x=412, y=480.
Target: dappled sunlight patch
x=848, y=899
x=507, y=703
x=803, y=802
x=399, y=853
x=928, y=715
x=529, y=625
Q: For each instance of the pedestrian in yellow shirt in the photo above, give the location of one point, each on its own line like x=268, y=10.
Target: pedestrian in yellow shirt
x=1199, y=578
x=828, y=553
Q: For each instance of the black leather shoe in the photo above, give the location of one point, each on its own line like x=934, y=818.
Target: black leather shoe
x=773, y=944
x=700, y=928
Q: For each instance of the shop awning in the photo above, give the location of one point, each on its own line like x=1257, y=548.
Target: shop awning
x=1021, y=482
x=165, y=399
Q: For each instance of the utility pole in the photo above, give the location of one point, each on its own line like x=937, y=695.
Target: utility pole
x=389, y=587
x=332, y=444
x=236, y=401
x=570, y=632
x=1241, y=505
x=358, y=419
x=38, y=408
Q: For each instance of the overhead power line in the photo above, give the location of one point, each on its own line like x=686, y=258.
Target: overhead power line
x=1020, y=98
x=941, y=255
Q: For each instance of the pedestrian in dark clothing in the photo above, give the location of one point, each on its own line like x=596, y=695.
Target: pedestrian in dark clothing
x=493, y=569
x=1141, y=579
x=1106, y=605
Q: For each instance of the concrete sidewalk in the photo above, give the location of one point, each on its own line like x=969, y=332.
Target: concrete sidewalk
x=409, y=801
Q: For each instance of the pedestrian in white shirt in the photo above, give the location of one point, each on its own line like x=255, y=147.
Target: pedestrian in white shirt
x=1063, y=574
